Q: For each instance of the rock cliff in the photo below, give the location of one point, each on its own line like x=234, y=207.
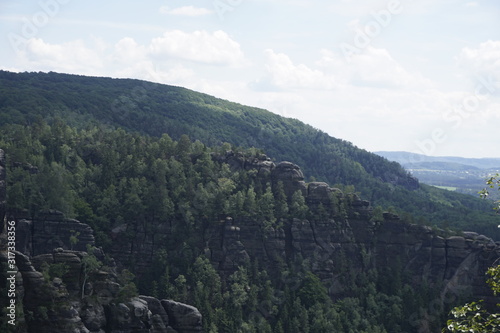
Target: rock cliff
x=350, y=240
x=355, y=241
x=56, y=304
x=53, y=293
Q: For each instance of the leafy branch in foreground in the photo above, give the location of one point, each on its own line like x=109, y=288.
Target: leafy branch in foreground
x=492, y=182
x=472, y=317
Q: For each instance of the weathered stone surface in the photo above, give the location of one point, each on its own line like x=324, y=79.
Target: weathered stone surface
x=291, y=176
x=331, y=247
x=159, y=317
x=72, y=262
x=40, y=299
x=318, y=192
x=93, y=315
x=51, y=230
x=23, y=236
x=182, y=317
x=119, y=317
x=237, y=161
x=133, y=316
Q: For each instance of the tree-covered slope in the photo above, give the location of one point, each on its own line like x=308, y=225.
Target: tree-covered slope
x=154, y=109
x=245, y=240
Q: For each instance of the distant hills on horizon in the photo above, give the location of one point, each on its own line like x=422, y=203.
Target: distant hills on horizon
x=407, y=159
x=458, y=174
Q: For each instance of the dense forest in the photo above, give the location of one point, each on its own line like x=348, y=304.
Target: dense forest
x=109, y=178
x=153, y=109
x=129, y=157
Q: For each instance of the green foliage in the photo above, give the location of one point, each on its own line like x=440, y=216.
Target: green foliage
x=312, y=290
x=138, y=184
x=73, y=239
x=58, y=270
x=128, y=288
x=473, y=317
x=492, y=182
x=55, y=270
x=91, y=103
x=90, y=264
x=135, y=185
x=494, y=279
x=377, y=214
x=298, y=207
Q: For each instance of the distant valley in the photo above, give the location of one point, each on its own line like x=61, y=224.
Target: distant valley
x=460, y=174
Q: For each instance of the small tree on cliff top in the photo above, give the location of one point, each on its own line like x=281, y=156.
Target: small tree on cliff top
x=90, y=265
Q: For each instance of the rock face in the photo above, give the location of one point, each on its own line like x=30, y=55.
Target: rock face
x=352, y=241
x=349, y=240
x=291, y=176
x=50, y=230
x=182, y=317
x=48, y=301
x=57, y=307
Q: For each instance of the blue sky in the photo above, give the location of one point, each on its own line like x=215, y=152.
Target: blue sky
x=420, y=76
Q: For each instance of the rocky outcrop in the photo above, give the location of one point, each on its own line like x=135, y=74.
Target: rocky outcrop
x=348, y=239
x=48, y=302
x=291, y=176
x=454, y=264
x=353, y=241
x=262, y=163
x=50, y=230
x=182, y=317
x=73, y=302
x=57, y=305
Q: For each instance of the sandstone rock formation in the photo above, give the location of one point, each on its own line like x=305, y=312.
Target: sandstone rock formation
x=350, y=240
x=50, y=230
x=56, y=305
x=457, y=263
x=291, y=176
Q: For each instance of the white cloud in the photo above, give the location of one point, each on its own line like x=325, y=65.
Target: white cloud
x=282, y=73
x=481, y=66
x=190, y=11
x=376, y=67
x=485, y=58
x=72, y=57
x=215, y=48
x=128, y=51
x=176, y=57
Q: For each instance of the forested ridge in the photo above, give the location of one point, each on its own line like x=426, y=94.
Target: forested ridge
x=131, y=158
x=154, y=109
x=177, y=192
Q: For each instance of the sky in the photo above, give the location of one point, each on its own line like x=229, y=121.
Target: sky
x=394, y=75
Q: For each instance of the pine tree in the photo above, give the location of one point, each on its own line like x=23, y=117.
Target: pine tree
x=298, y=207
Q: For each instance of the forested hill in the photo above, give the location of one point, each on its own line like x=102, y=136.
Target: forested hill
x=154, y=109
